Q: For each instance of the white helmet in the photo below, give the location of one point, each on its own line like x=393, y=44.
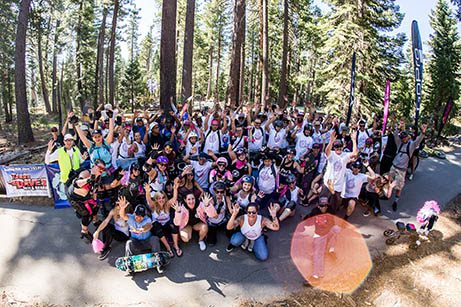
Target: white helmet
x=192, y=135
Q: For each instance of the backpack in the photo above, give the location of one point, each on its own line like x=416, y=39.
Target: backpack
x=407, y=150
x=262, y=132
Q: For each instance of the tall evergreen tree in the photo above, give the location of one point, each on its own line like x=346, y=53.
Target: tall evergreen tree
x=445, y=62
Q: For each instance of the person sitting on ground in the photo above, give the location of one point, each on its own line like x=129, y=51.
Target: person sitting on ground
x=220, y=173
x=187, y=183
x=157, y=176
x=353, y=182
x=188, y=219
x=215, y=208
x=378, y=188
x=141, y=238
x=117, y=231
x=244, y=192
x=202, y=169
x=239, y=165
x=251, y=227
x=289, y=197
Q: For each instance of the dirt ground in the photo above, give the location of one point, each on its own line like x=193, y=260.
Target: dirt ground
x=428, y=276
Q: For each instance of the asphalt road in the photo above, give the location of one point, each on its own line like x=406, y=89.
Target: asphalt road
x=42, y=258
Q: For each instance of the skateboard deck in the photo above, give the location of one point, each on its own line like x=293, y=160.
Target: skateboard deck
x=143, y=262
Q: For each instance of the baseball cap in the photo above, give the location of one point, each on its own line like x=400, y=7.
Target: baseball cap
x=153, y=125
x=316, y=146
x=323, y=201
x=140, y=210
x=68, y=137
x=96, y=131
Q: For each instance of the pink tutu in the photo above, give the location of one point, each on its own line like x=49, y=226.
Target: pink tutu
x=429, y=209
x=98, y=246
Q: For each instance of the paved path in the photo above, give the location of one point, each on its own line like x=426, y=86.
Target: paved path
x=43, y=259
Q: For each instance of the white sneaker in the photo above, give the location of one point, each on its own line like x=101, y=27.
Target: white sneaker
x=244, y=245
x=251, y=245
x=202, y=245
x=410, y=177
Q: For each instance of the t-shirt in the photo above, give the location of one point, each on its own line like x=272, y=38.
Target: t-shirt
x=258, y=139
x=362, y=136
x=336, y=169
x=267, y=180
x=276, y=139
x=303, y=144
x=212, y=141
x=201, y=173
x=135, y=225
x=353, y=184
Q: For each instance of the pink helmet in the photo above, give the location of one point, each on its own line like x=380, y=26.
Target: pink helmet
x=222, y=160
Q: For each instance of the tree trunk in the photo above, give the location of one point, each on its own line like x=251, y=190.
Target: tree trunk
x=106, y=77
x=9, y=85
x=25, y=134
x=210, y=72
x=167, y=58
x=237, y=39
x=99, y=75
x=78, y=57
x=54, y=72
x=188, y=51
x=265, y=56
x=59, y=94
x=5, y=96
x=283, y=74
x=242, y=61
x=113, y=36
x=260, y=63
x=46, y=99
x=218, y=62
x=251, y=88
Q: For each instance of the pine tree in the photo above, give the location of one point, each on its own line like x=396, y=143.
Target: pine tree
x=445, y=62
x=132, y=84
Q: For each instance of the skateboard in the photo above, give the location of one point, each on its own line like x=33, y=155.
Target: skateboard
x=143, y=262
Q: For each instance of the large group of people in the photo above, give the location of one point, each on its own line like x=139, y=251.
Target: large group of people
x=153, y=179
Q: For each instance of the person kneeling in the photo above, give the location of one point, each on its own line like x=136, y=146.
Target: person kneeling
x=251, y=226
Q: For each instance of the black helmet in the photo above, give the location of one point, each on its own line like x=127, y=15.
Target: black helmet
x=291, y=150
x=291, y=178
x=278, y=123
x=219, y=185
x=140, y=210
x=357, y=164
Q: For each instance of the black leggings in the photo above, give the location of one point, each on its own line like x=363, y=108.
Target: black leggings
x=373, y=200
x=110, y=233
x=212, y=235
x=160, y=230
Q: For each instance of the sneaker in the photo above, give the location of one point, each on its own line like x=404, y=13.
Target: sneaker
x=244, y=245
x=87, y=236
x=366, y=213
x=410, y=177
x=251, y=245
x=105, y=252
x=394, y=206
x=229, y=248
x=160, y=269
x=202, y=245
x=377, y=212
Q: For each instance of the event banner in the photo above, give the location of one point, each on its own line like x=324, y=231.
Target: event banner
x=446, y=114
x=387, y=95
x=418, y=65
x=25, y=180
x=57, y=187
x=351, y=97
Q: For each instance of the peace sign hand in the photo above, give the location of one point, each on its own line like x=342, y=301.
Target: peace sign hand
x=273, y=210
x=235, y=209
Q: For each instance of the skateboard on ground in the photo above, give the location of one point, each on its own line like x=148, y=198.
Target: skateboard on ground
x=143, y=262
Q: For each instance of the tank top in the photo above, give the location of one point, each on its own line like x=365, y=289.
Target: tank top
x=293, y=195
x=162, y=217
x=243, y=201
x=287, y=168
x=158, y=184
x=238, y=173
x=121, y=225
x=251, y=232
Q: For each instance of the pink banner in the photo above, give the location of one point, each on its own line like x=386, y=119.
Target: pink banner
x=387, y=95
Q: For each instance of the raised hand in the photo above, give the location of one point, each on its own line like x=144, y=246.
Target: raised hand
x=176, y=206
x=354, y=135
x=423, y=128
x=50, y=145
x=122, y=202
x=156, y=146
x=207, y=199
x=235, y=209
x=273, y=210
x=261, y=194
x=365, y=163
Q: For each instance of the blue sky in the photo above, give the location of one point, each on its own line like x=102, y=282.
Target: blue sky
x=414, y=10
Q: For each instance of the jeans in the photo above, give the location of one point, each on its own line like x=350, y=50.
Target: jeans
x=259, y=248
x=320, y=244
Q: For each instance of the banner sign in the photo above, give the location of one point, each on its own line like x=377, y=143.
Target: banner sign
x=351, y=97
x=57, y=187
x=418, y=65
x=25, y=180
x=387, y=94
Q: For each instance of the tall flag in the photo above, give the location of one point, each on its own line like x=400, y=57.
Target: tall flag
x=351, y=98
x=387, y=94
x=418, y=65
x=446, y=114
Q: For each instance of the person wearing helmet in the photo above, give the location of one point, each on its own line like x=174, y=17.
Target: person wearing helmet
x=267, y=180
x=216, y=208
x=220, y=172
x=289, y=166
x=212, y=139
x=257, y=136
x=238, y=139
x=406, y=148
x=303, y=140
x=192, y=144
x=337, y=161
x=289, y=196
x=354, y=181
x=157, y=175
x=239, y=165
x=367, y=151
x=244, y=193
x=277, y=134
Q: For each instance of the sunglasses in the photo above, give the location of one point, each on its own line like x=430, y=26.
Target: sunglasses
x=221, y=164
x=252, y=212
x=161, y=197
x=257, y=123
x=220, y=192
x=163, y=164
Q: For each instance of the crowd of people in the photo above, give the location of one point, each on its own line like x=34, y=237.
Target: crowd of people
x=152, y=179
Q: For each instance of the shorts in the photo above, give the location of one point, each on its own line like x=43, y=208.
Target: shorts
x=398, y=176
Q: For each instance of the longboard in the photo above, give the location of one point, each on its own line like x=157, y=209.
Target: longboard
x=143, y=262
